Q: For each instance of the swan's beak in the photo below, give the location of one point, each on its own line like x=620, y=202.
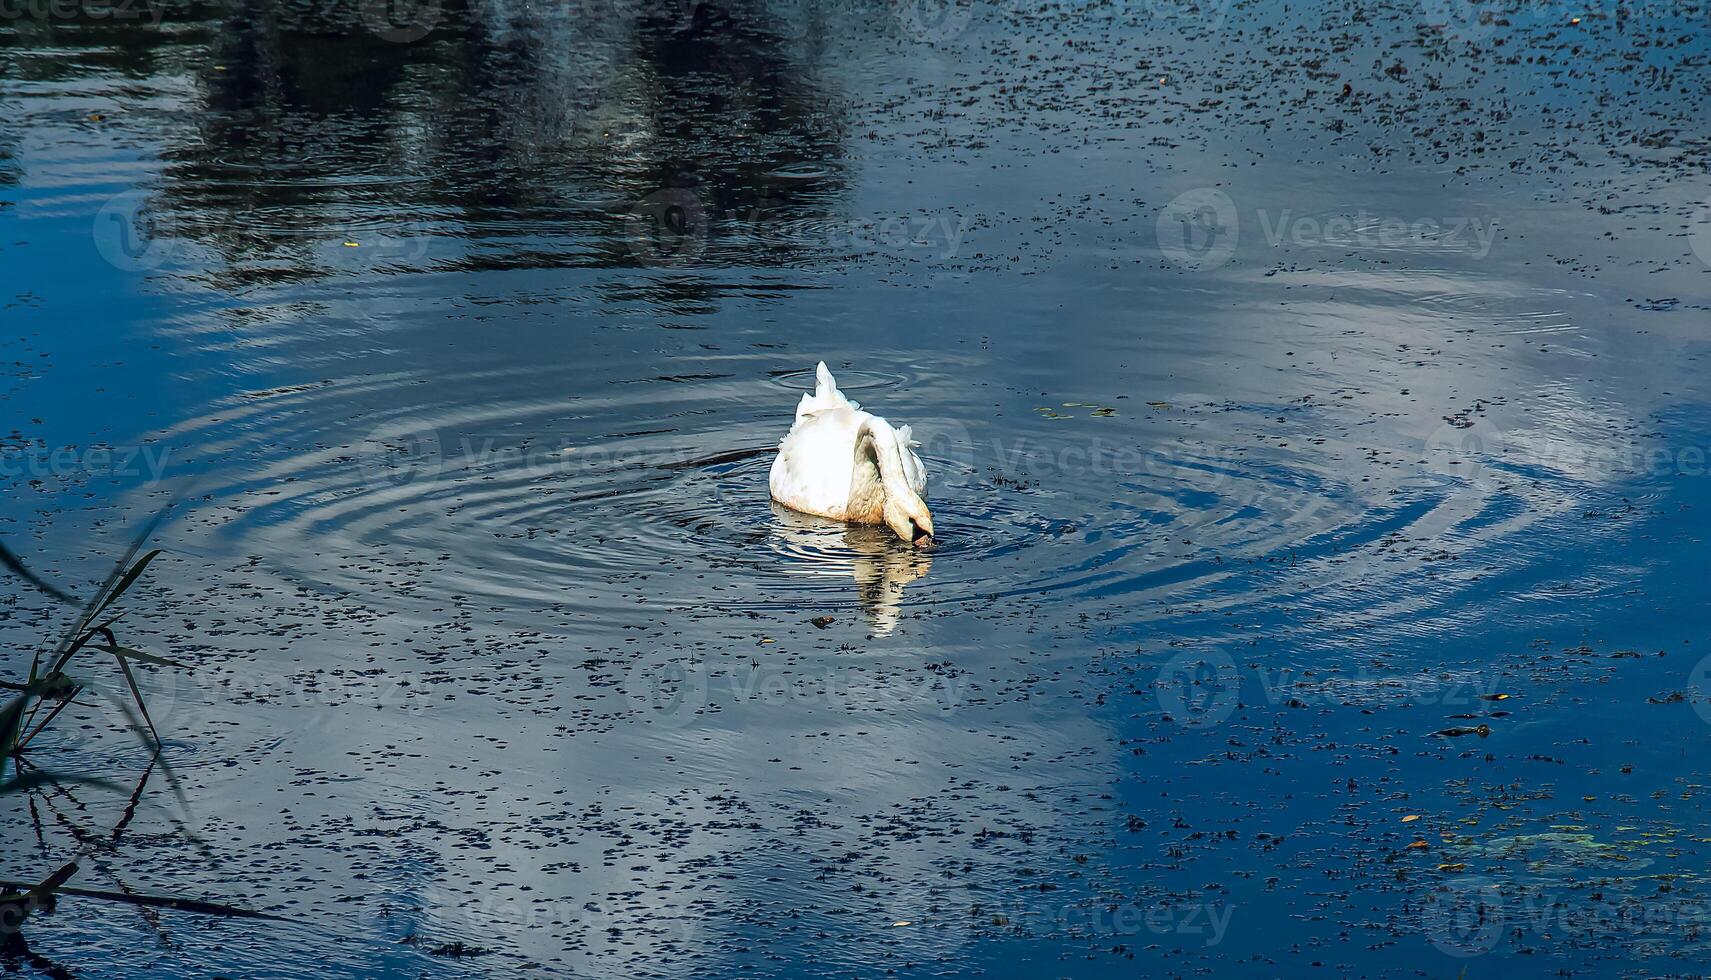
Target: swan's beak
x=923, y=529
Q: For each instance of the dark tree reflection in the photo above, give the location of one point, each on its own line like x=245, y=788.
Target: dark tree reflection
x=510, y=135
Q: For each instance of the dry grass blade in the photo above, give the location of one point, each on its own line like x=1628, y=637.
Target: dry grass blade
x=11, y=563
x=106, y=593
x=56, y=687
x=126, y=653
x=12, y=737
x=136, y=695
x=115, y=586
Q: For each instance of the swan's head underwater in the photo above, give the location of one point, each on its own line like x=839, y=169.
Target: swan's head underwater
x=906, y=513
x=881, y=488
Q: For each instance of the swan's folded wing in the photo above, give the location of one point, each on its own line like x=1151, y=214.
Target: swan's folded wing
x=812, y=470
x=914, y=470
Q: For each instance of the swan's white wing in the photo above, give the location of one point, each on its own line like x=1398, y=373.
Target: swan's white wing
x=913, y=469
x=812, y=470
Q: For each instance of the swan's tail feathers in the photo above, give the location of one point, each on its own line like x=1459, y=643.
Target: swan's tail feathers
x=826, y=395
x=906, y=438
x=806, y=407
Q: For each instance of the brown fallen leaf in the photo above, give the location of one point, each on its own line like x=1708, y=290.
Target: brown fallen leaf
x=1410, y=818
x=1452, y=867
x=822, y=621
x=1418, y=845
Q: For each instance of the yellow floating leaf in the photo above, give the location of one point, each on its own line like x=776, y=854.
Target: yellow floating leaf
x=1452, y=867
x=1418, y=845
x=900, y=924
x=350, y=245
x=1410, y=818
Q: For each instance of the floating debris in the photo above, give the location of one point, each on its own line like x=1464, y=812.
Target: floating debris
x=1481, y=730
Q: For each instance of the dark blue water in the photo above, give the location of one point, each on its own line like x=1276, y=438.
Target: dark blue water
x=1297, y=384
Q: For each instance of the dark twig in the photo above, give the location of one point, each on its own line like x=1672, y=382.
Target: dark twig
x=152, y=901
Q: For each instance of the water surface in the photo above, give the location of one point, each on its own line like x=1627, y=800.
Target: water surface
x=1296, y=382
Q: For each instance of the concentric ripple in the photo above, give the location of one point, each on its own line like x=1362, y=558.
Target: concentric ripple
x=650, y=495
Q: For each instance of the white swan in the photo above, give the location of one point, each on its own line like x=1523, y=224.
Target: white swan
x=849, y=465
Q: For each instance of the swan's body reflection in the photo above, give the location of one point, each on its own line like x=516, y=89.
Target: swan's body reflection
x=880, y=563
